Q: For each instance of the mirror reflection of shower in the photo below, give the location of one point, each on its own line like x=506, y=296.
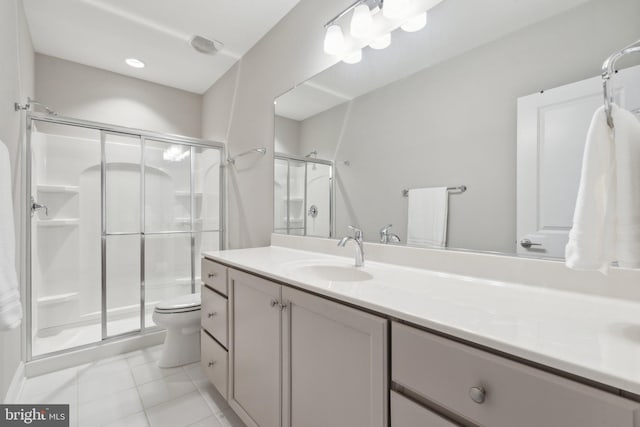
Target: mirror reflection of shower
x=303, y=191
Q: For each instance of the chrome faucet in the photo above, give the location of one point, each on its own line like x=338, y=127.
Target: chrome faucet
x=387, y=237
x=357, y=239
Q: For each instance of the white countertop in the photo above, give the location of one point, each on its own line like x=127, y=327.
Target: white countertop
x=593, y=337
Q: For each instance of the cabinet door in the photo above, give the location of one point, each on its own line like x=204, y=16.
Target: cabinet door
x=255, y=350
x=335, y=364
x=405, y=413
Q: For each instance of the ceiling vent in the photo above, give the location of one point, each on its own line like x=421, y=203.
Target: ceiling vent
x=205, y=45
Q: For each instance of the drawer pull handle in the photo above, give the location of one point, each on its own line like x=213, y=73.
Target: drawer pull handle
x=210, y=315
x=210, y=275
x=211, y=363
x=477, y=394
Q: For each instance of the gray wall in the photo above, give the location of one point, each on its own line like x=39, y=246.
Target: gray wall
x=290, y=53
x=287, y=136
x=88, y=93
x=16, y=83
x=455, y=123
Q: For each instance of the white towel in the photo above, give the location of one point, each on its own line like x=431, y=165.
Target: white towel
x=427, y=222
x=10, y=307
x=606, y=222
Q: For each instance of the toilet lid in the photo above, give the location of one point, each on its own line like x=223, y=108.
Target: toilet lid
x=187, y=302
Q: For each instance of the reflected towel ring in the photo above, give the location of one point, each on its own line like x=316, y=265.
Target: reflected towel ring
x=608, y=71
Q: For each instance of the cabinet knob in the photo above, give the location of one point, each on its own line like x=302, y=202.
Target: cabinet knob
x=211, y=363
x=210, y=315
x=274, y=302
x=210, y=275
x=477, y=394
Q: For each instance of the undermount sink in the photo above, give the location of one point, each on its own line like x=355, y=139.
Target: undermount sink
x=332, y=272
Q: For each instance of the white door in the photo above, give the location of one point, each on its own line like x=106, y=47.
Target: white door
x=552, y=128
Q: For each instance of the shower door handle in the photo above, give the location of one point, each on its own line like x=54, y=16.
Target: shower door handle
x=35, y=206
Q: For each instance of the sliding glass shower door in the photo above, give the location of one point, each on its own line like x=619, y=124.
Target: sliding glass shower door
x=120, y=218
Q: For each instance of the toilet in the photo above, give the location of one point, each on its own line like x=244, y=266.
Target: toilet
x=181, y=317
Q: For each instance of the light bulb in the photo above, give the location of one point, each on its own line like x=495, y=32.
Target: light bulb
x=353, y=57
x=361, y=22
x=415, y=23
x=334, y=40
x=395, y=9
x=381, y=42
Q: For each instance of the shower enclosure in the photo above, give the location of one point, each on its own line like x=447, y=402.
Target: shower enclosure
x=303, y=192
x=118, y=219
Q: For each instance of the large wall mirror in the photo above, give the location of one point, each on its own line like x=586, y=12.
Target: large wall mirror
x=495, y=96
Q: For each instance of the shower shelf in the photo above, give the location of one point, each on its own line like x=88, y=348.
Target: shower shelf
x=66, y=222
x=187, y=194
x=58, y=188
x=188, y=220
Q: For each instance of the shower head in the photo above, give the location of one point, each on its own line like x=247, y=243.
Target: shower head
x=261, y=150
x=312, y=153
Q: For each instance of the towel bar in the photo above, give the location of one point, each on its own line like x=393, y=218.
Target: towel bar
x=459, y=189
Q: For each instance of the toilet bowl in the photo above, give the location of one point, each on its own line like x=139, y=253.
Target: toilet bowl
x=181, y=317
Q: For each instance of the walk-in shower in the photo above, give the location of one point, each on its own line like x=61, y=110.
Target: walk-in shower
x=303, y=192
x=118, y=219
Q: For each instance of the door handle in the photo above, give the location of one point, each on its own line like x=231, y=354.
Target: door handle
x=526, y=243
x=35, y=206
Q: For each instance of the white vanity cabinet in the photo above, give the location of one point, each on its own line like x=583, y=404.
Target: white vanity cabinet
x=214, y=355
x=298, y=360
x=489, y=390
x=335, y=363
x=406, y=413
x=255, y=342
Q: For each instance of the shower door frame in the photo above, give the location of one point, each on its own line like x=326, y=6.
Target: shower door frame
x=306, y=160
x=107, y=129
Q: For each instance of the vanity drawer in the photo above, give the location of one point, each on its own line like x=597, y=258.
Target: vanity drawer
x=214, y=275
x=214, y=314
x=214, y=359
x=444, y=372
x=406, y=413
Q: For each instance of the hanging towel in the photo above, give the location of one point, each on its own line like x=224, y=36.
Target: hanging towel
x=427, y=222
x=606, y=222
x=10, y=306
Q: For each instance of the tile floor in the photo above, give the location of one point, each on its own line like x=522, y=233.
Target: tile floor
x=131, y=391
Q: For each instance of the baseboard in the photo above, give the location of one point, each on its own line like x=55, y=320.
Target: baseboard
x=13, y=393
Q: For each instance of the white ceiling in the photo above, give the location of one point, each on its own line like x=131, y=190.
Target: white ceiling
x=103, y=33
x=453, y=28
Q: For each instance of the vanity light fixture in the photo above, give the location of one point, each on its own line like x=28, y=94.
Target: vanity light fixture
x=361, y=22
x=381, y=42
x=334, y=40
x=353, y=57
x=415, y=23
x=371, y=23
x=395, y=9
x=135, y=63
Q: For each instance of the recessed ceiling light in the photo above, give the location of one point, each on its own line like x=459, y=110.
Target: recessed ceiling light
x=135, y=63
